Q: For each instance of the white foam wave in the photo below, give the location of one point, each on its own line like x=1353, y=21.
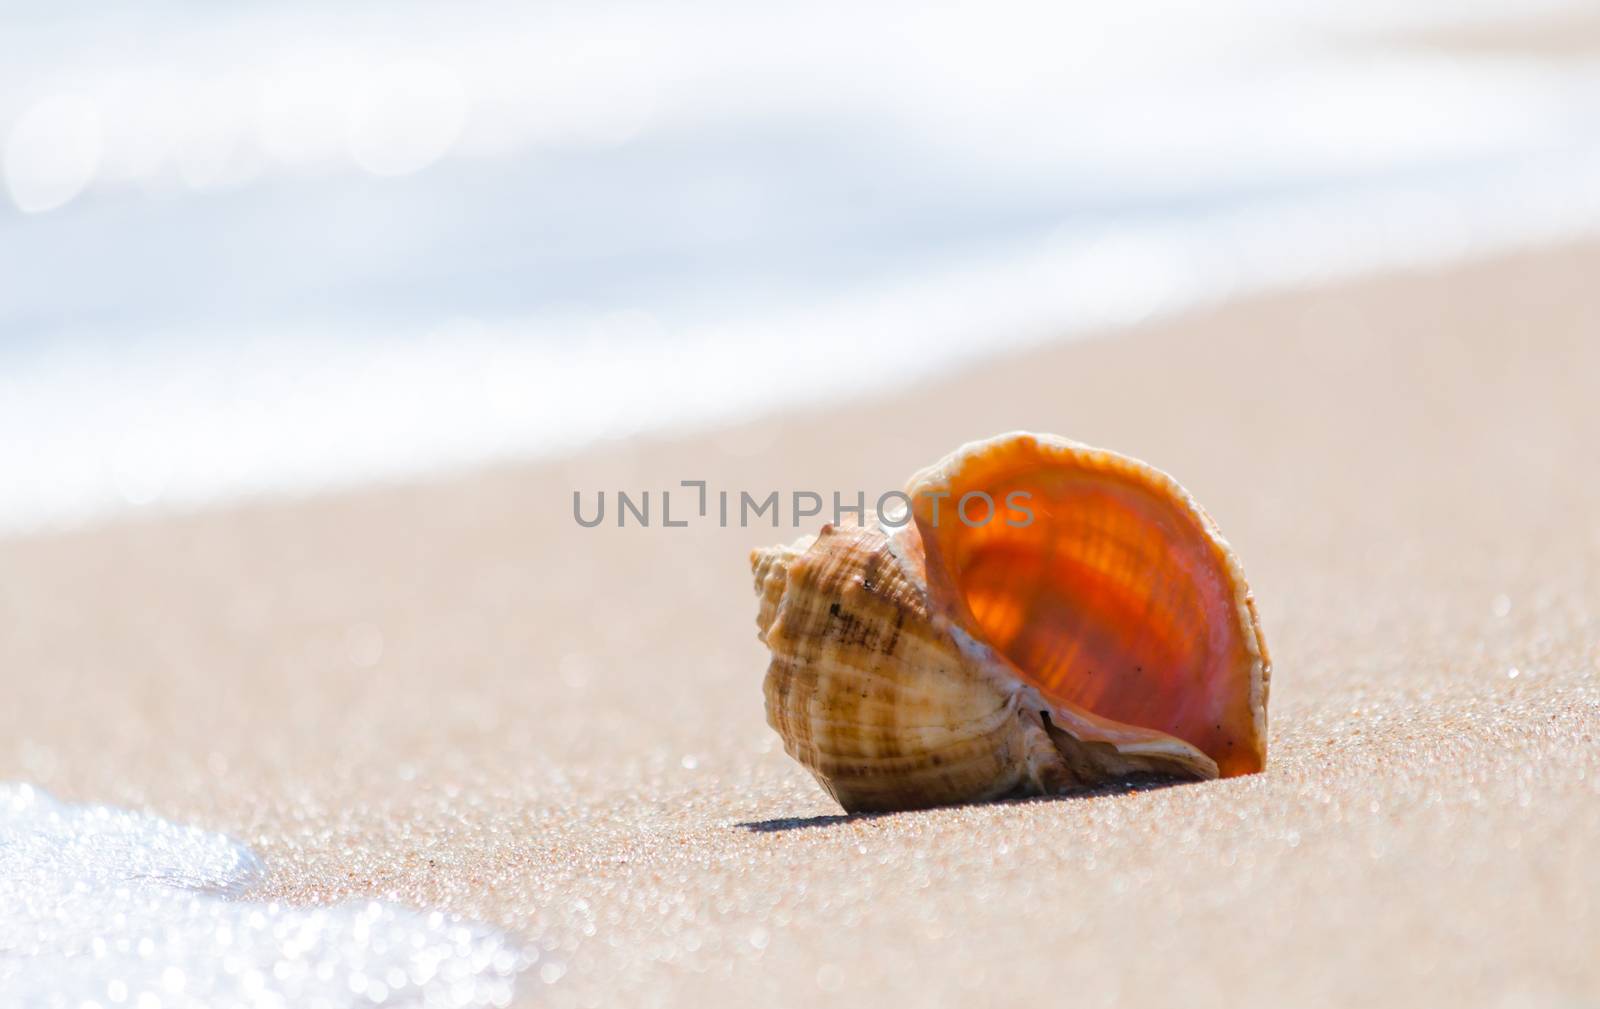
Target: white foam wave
x=107, y=907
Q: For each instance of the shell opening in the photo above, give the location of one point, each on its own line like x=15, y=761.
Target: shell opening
x=1108, y=589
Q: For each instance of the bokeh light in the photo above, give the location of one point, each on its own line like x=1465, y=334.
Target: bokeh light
x=405, y=117
x=51, y=153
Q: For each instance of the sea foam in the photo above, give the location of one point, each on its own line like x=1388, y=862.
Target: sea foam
x=108, y=907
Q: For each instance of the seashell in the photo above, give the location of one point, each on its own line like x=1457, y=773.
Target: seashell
x=1050, y=617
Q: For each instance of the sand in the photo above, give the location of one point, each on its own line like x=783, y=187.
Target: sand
x=450, y=695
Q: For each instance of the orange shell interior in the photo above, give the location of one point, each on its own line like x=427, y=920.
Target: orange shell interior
x=1116, y=597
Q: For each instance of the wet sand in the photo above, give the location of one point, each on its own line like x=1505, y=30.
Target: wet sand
x=451, y=695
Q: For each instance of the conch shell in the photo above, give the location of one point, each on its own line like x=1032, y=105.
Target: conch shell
x=1051, y=617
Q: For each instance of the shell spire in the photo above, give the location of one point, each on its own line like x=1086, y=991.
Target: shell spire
x=1053, y=617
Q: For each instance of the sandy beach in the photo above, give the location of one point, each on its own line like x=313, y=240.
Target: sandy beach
x=450, y=695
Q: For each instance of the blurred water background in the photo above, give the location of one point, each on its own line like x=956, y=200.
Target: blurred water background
x=253, y=247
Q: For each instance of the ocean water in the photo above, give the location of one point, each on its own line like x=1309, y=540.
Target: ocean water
x=266, y=248
x=106, y=907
